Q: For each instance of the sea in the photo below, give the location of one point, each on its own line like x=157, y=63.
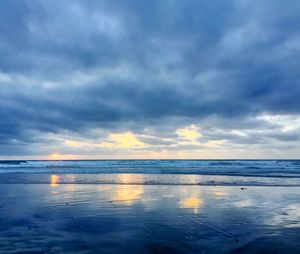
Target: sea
x=150, y=206
x=153, y=172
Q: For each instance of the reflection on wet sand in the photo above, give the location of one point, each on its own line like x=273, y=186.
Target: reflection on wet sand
x=218, y=192
x=191, y=199
x=128, y=194
x=192, y=203
x=90, y=218
x=287, y=217
x=54, y=181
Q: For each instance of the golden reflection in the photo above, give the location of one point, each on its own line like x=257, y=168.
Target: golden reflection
x=71, y=180
x=125, y=178
x=128, y=194
x=218, y=193
x=103, y=187
x=192, y=203
x=54, y=180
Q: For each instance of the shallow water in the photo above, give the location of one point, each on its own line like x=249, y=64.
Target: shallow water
x=149, y=179
x=104, y=218
x=278, y=168
x=155, y=172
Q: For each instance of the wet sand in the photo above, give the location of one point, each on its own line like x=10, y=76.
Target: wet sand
x=90, y=218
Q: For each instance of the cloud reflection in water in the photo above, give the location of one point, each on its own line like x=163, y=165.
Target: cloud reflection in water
x=127, y=193
x=54, y=182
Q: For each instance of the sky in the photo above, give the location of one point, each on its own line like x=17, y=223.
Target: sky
x=139, y=79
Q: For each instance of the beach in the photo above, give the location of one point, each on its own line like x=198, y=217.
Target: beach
x=149, y=127
x=57, y=217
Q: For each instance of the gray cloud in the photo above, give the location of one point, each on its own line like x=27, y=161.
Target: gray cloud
x=72, y=66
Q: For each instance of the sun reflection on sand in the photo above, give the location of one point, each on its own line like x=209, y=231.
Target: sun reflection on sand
x=218, y=193
x=128, y=194
x=54, y=181
x=192, y=203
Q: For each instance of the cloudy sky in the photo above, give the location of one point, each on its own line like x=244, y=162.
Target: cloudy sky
x=149, y=79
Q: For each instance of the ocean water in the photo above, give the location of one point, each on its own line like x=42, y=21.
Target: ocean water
x=154, y=172
x=149, y=207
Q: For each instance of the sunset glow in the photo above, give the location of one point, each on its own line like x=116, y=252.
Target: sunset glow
x=55, y=156
x=54, y=180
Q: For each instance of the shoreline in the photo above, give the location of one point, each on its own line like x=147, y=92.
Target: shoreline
x=149, y=179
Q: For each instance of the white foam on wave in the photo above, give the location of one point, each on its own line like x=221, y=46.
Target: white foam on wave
x=147, y=179
x=267, y=168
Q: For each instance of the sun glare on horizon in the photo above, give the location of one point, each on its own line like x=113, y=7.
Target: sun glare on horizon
x=55, y=156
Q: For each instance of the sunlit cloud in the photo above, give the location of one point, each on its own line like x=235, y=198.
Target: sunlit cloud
x=73, y=143
x=55, y=156
x=214, y=143
x=124, y=140
x=190, y=133
x=182, y=143
x=287, y=123
x=239, y=133
x=61, y=156
x=222, y=107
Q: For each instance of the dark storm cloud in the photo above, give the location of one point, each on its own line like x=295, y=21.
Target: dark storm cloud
x=77, y=65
